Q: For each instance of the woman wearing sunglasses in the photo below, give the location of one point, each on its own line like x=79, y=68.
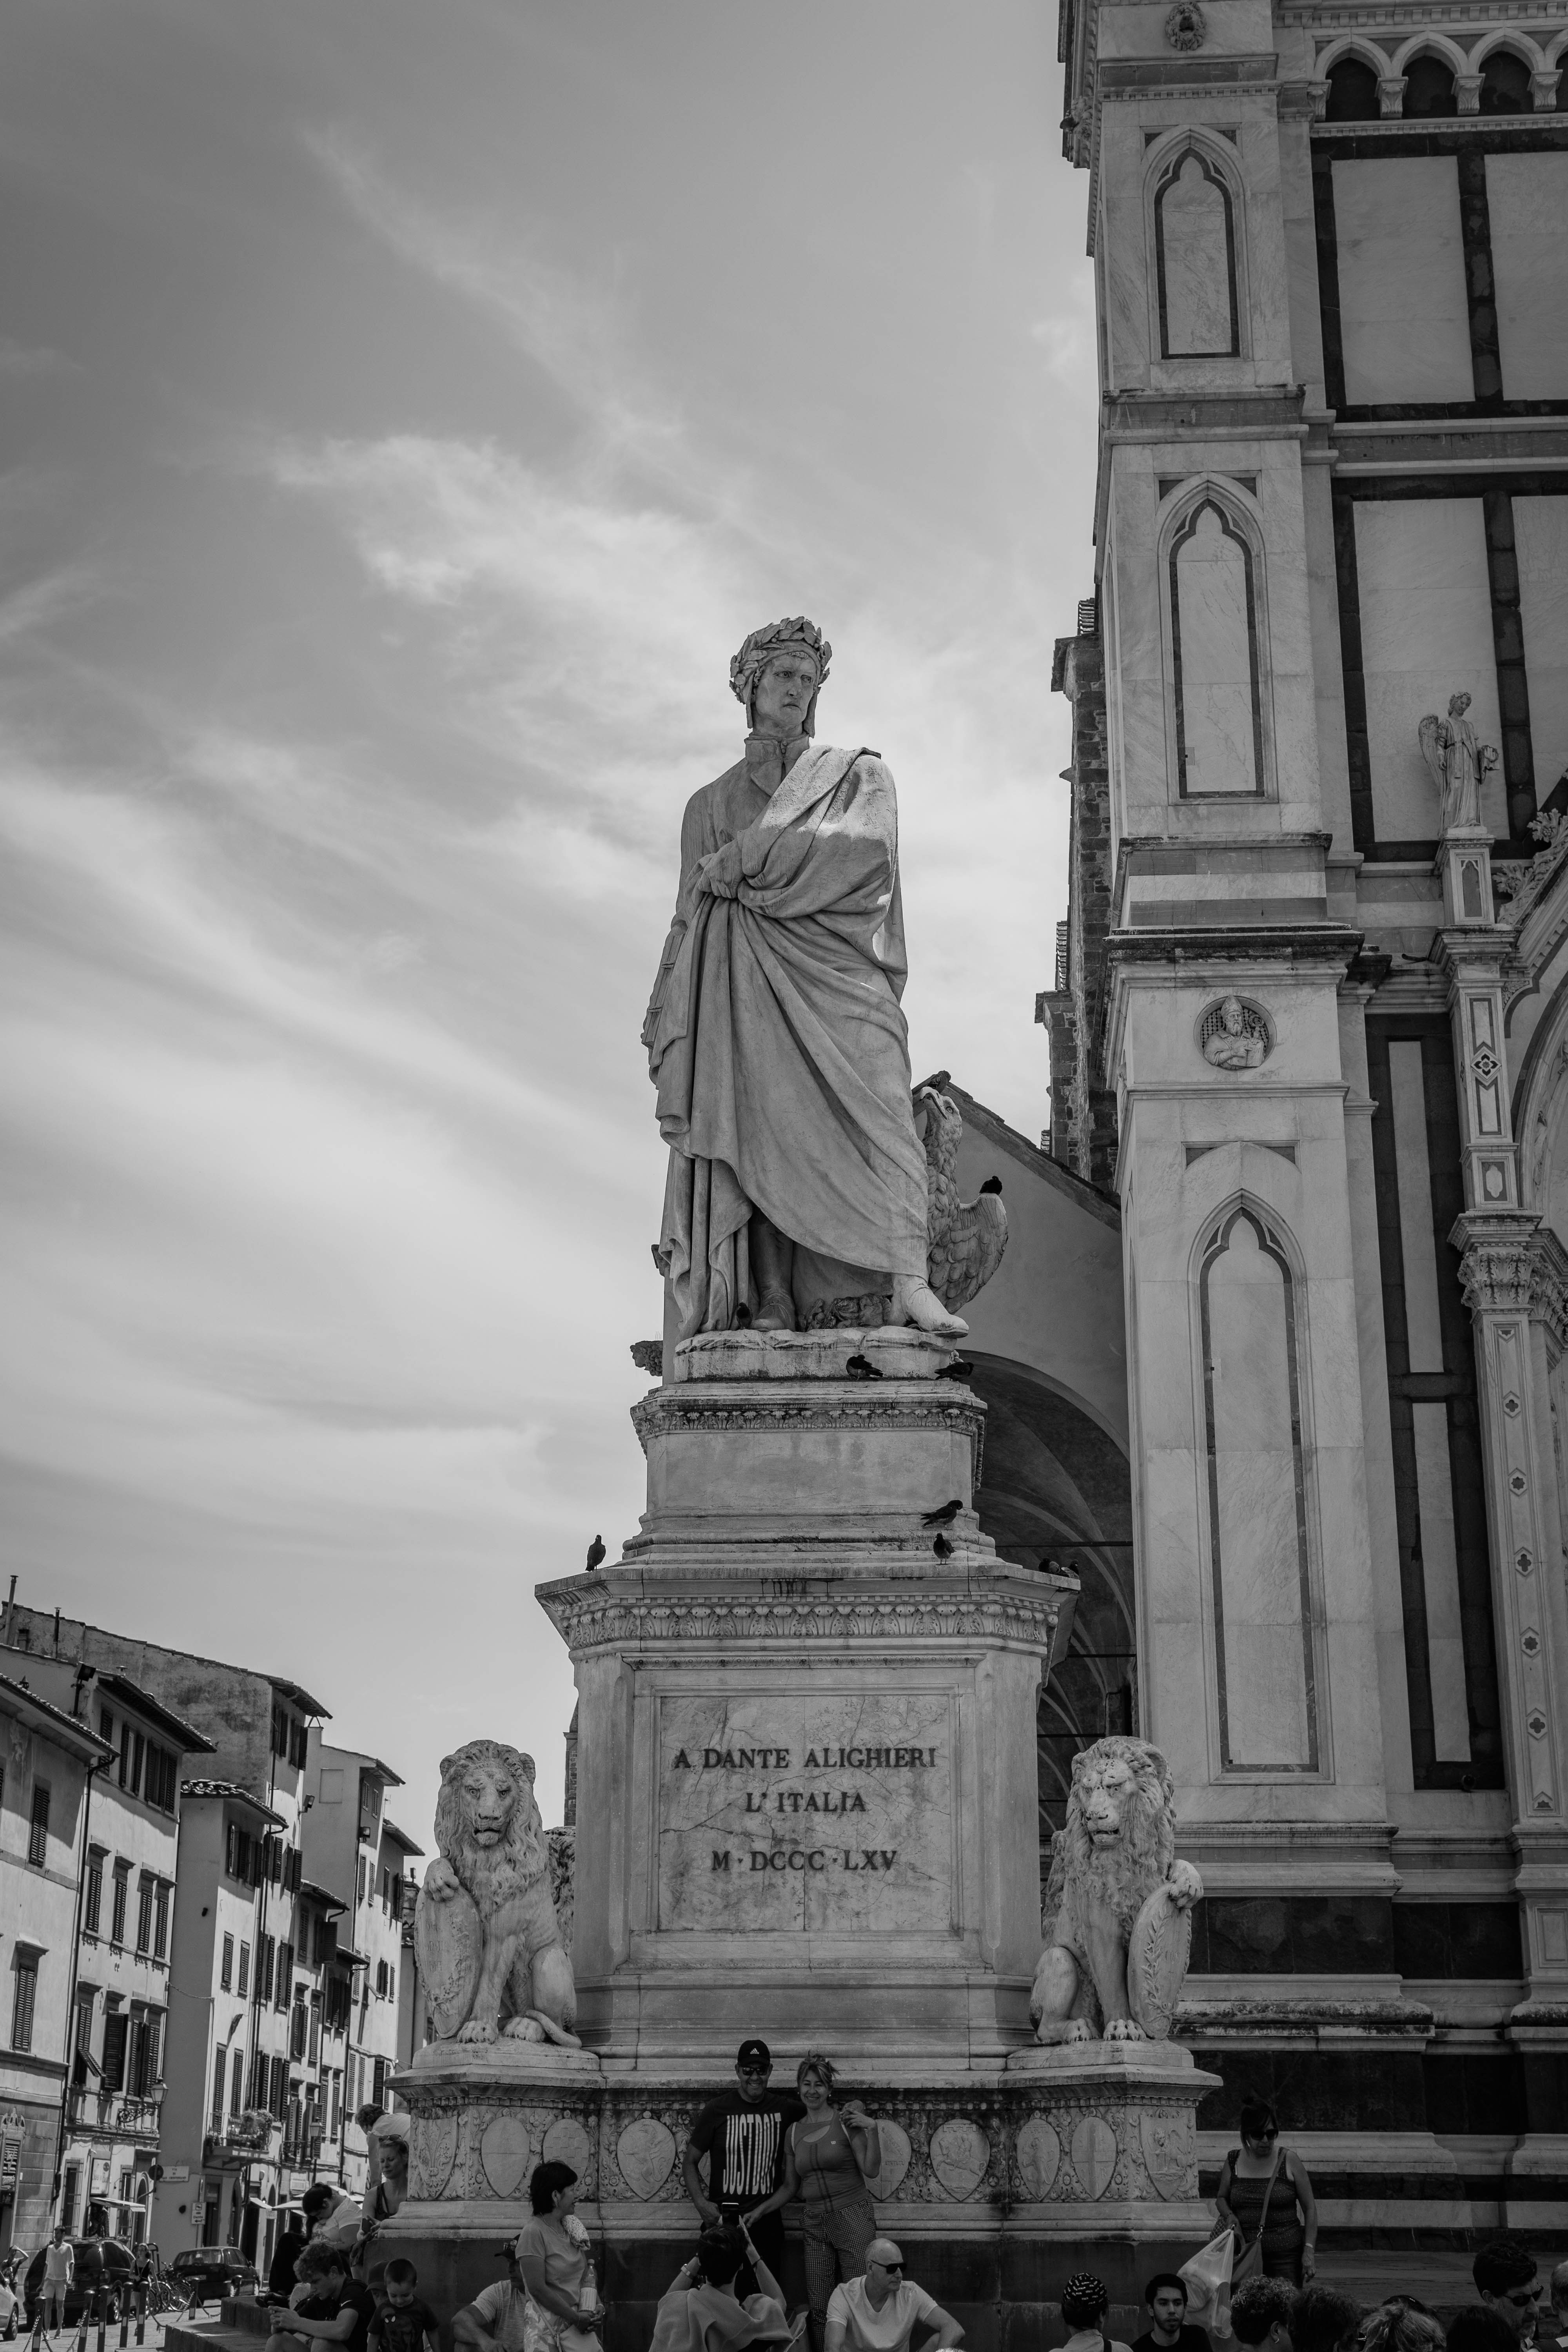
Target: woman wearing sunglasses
x=1266, y=2197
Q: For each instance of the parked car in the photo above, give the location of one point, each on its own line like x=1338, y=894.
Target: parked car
x=206, y=2273
x=100, y=2284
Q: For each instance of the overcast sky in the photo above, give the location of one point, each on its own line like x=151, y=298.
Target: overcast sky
x=406, y=410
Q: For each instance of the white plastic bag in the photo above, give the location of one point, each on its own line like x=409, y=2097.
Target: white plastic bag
x=1206, y=2277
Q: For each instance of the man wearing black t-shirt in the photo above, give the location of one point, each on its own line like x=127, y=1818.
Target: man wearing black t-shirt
x=742, y=2137
x=1166, y=2296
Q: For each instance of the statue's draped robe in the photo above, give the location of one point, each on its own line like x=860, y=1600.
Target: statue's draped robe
x=776, y=1041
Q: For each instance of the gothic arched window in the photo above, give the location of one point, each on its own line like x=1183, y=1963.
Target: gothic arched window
x=1261, y=1584
x=1194, y=261
x=1214, y=653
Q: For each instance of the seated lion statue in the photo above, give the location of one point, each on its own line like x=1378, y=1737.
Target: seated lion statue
x=485, y=1930
x=1115, y=1885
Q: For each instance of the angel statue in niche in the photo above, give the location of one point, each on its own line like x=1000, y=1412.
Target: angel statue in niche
x=1459, y=763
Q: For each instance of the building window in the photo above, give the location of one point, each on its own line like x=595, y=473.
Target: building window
x=285, y=1975
x=106, y=1726
x=39, y=1831
x=67, y=2199
x=1258, y=1501
x=236, y=2083
x=92, y=1907
x=162, y=1778
x=131, y=1747
x=244, y=1985
x=81, y=2048
x=143, y=1914
x=361, y=1876
x=121, y=1897
x=280, y=1731
x=1215, y=637
x=381, y=1979
x=160, y=1920
x=146, y=2053
x=391, y=1983
x=266, y=1954
x=226, y=1968
x=116, y=2030
x=378, y=2082
x=23, y=1999
x=1194, y=261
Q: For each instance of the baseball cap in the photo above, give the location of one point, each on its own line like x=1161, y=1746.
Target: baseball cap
x=753, y=2053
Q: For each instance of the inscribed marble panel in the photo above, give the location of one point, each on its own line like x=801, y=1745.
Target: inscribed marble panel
x=1426, y=633
x=1195, y=263
x=1402, y=313
x=1215, y=683
x=830, y=1812
x=1255, y=1469
x=1541, y=541
x=1440, y=1585
x=1526, y=198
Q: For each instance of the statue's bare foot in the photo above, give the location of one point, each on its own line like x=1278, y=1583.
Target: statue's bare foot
x=776, y=1312
x=914, y=1301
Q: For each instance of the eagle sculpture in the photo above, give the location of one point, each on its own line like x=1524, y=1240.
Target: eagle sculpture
x=965, y=1239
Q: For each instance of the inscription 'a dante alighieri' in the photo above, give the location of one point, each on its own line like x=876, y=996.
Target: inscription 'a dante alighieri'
x=795, y=1810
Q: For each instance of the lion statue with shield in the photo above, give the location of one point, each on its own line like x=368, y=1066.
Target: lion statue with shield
x=485, y=1930
x=1117, y=1910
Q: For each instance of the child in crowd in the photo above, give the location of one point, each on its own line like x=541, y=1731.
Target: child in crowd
x=405, y=2324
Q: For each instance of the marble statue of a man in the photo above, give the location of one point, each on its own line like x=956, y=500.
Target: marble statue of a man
x=1459, y=762
x=776, y=1037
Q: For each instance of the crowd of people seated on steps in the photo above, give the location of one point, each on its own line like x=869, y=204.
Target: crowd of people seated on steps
x=754, y=2150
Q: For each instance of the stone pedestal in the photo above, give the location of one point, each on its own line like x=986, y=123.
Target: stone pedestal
x=997, y=2187
x=807, y=1763
x=807, y=1807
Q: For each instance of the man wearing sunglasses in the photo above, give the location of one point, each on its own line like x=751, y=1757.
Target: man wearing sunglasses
x=1508, y=2280
x=741, y=2134
x=880, y=2311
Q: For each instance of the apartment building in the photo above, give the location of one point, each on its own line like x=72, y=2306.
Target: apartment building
x=48, y=1757
x=362, y=1857
x=119, y=2007
x=237, y=1908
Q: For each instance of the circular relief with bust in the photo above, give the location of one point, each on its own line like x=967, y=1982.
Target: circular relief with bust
x=1234, y=1033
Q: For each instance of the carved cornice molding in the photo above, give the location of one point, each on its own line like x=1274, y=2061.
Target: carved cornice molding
x=600, y=1619
x=750, y=1405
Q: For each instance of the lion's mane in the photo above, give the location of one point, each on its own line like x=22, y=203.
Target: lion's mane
x=490, y=1873
x=1087, y=1879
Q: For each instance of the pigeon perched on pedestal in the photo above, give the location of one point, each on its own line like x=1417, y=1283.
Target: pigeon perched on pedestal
x=595, y=1552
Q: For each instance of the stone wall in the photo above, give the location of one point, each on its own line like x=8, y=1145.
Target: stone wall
x=1083, y=1106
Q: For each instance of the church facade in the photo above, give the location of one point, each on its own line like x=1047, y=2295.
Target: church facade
x=1308, y=1043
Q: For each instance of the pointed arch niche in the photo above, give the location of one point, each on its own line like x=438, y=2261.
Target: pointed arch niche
x=1212, y=595
x=1197, y=265
x=1264, y=1645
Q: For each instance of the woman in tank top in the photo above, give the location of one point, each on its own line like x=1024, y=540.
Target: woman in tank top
x=1264, y=2187
x=829, y=2155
